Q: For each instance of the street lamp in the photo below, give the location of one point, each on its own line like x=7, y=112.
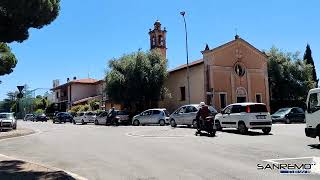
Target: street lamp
x=187, y=52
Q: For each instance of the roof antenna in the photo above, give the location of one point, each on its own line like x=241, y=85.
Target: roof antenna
x=236, y=36
x=88, y=72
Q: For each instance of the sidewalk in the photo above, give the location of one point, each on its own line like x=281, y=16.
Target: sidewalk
x=13, y=169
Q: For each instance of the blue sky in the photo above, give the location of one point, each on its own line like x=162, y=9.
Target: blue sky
x=89, y=33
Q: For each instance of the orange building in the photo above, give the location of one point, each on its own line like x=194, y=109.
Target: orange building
x=233, y=72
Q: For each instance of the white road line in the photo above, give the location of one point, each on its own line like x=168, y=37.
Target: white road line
x=76, y=176
x=16, y=137
x=37, y=131
x=283, y=159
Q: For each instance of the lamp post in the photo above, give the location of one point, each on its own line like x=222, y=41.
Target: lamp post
x=187, y=52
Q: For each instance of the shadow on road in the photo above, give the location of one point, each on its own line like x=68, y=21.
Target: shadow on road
x=14, y=169
x=249, y=133
x=314, y=146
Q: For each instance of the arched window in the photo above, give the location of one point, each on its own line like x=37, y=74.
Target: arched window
x=153, y=41
x=161, y=40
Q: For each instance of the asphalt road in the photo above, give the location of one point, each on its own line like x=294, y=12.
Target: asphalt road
x=153, y=152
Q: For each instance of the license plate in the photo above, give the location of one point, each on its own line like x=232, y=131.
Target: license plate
x=261, y=117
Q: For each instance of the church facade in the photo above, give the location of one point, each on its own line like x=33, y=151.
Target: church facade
x=233, y=72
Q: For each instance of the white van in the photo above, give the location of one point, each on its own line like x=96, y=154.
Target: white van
x=313, y=114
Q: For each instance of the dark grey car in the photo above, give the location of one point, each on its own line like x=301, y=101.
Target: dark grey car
x=288, y=115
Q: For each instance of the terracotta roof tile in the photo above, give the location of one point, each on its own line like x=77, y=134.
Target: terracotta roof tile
x=194, y=63
x=79, y=81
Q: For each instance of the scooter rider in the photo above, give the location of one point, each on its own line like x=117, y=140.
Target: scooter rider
x=202, y=114
x=112, y=115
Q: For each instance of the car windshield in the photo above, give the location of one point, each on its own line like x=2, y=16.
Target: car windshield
x=283, y=111
x=6, y=116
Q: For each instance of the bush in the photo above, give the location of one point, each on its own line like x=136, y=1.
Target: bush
x=84, y=108
x=75, y=109
x=39, y=111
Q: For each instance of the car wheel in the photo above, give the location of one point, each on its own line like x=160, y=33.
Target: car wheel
x=96, y=122
x=173, y=123
x=53, y=122
x=194, y=124
x=266, y=130
x=218, y=126
x=82, y=122
x=74, y=122
x=162, y=122
x=242, y=128
x=14, y=127
x=288, y=121
x=212, y=133
x=136, y=122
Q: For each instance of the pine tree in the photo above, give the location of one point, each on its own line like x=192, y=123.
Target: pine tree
x=309, y=60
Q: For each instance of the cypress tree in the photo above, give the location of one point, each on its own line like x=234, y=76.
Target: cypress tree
x=309, y=60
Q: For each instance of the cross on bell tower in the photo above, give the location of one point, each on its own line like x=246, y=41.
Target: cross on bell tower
x=158, y=38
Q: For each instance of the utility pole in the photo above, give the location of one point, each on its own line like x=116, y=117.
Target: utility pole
x=187, y=52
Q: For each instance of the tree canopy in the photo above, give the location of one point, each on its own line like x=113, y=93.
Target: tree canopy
x=17, y=16
x=290, y=78
x=8, y=60
x=136, y=80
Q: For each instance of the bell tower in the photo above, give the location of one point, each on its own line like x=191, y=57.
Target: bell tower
x=158, y=38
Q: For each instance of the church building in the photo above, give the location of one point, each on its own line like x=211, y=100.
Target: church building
x=231, y=73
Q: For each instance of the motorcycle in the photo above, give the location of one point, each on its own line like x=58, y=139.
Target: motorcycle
x=112, y=121
x=207, y=125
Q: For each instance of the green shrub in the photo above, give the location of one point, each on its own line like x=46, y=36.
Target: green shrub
x=39, y=111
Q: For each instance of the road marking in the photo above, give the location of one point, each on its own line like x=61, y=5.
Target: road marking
x=76, y=176
x=136, y=134
x=37, y=131
x=16, y=137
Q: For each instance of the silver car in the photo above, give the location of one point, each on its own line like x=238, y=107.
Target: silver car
x=84, y=118
x=7, y=121
x=186, y=115
x=152, y=116
x=29, y=117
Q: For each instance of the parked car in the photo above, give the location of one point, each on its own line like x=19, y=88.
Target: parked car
x=244, y=116
x=152, y=116
x=40, y=117
x=123, y=117
x=289, y=115
x=7, y=121
x=101, y=118
x=29, y=117
x=186, y=115
x=63, y=117
x=84, y=118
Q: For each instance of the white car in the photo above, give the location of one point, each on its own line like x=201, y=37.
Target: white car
x=7, y=121
x=84, y=118
x=244, y=116
x=151, y=116
x=186, y=115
